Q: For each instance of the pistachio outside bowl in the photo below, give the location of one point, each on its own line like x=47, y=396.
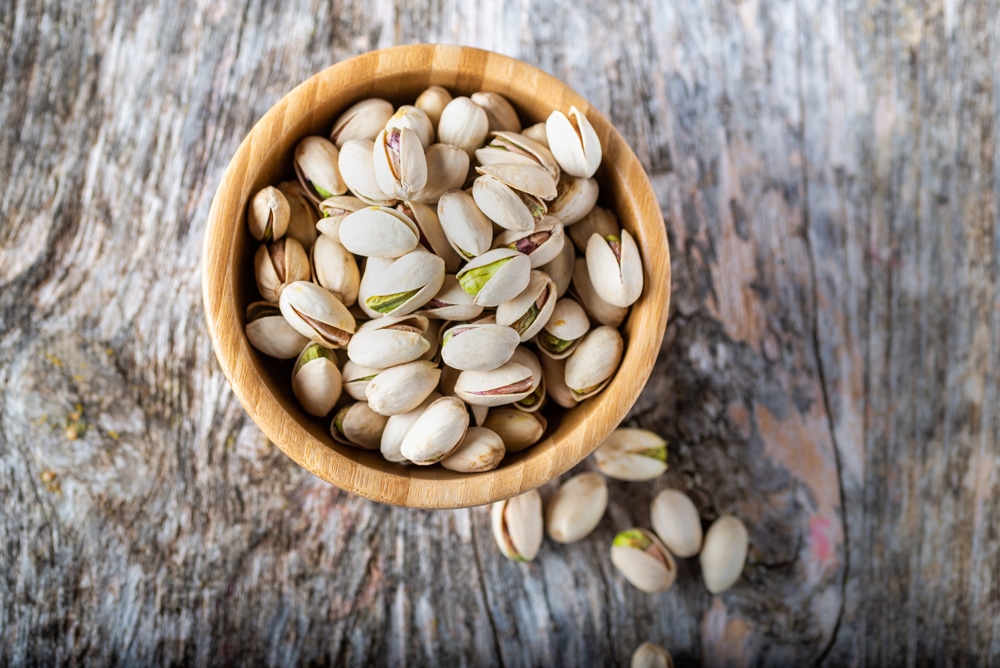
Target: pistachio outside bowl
x=262, y=384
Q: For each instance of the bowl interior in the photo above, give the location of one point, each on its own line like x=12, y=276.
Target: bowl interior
x=262, y=383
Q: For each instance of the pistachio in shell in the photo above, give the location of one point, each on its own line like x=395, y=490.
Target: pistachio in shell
x=362, y=121
x=268, y=215
x=278, y=264
x=301, y=214
x=575, y=198
x=463, y=124
x=416, y=120
x=676, y=522
x=634, y=454
x=542, y=244
x=386, y=342
x=402, y=388
x=269, y=332
x=615, y=268
x=467, y=229
x=334, y=269
x=316, y=164
x=499, y=111
x=480, y=450
x=396, y=428
x=399, y=162
x=357, y=166
x=594, y=362
x=437, y=432
x=478, y=347
x=643, y=560
x=724, y=553
x=648, y=655
x=316, y=380
x=447, y=167
x=358, y=425
x=316, y=314
x=576, y=508
x=530, y=310
x=564, y=329
x=495, y=276
x=583, y=291
x=432, y=102
x=517, y=429
x=506, y=384
x=452, y=302
x=379, y=231
x=356, y=379
x=517, y=525
x=573, y=142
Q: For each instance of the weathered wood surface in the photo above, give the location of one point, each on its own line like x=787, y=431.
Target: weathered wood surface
x=829, y=372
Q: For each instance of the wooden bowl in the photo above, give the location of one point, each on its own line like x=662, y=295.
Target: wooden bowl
x=263, y=385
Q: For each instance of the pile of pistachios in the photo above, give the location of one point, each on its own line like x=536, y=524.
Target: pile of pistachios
x=446, y=271
x=645, y=558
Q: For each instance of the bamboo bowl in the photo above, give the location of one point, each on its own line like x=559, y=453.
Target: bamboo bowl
x=262, y=384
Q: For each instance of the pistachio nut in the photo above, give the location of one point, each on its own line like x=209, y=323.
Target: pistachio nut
x=536, y=399
x=333, y=210
x=452, y=302
x=506, y=384
x=432, y=102
x=447, y=167
x=536, y=133
x=315, y=162
x=358, y=425
x=575, y=198
x=573, y=142
x=402, y=286
x=564, y=329
x=316, y=314
x=724, y=553
x=675, y=520
x=517, y=429
x=509, y=208
x=397, y=427
x=584, y=292
x=532, y=179
x=560, y=268
x=413, y=118
x=643, y=560
x=517, y=525
x=301, y=214
x=269, y=332
x=599, y=221
x=648, y=655
x=528, y=312
x=615, y=268
x=268, y=215
x=495, y=276
x=468, y=230
x=436, y=433
x=541, y=244
x=357, y=166
x=498, y=110
x=399, y=161
x=432, y=235
x=379, y=231
x=316, y=380
x=480, y=450
x=356, y=379
x=576, y=508
x=362, y=120
x=402, y=388
x=463, y=124
x=513, y=148
x=478, y=347
x=334, y=268
x=390, y=341
x=594, y=362
x=632, y=454
x=555, y=381
x=277, y=265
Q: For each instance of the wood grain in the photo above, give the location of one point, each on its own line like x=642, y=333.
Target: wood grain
x=826, y=170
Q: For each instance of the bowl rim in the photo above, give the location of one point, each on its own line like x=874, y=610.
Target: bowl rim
x=431, y=487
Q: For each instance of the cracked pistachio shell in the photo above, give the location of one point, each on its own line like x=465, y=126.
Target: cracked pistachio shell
x=676, y=522
x=432, y=236
x=480, y=450
x=477, y=414
x=316, y=314
x=495, y=276
x=399, y=161
x=506, y=384
x=415, y=119
x=560, y=268
x=386, y=342
x=724, y=553
x=513, y=148
x=268, y=215
x=301, y=214
x=432, y=102
x=334, y=268
x=615, y=268
x=509, y=208
x=333, y=211
x=356, y=379
x=437, y=432
x=536, y=399
x=643, y=560
x=378, y=231
x=397, y=427
x=478, y=347
x=599, y=221
x=564, y=329
x=278, y=264
x=452, y=302
x=536, y=133
x=575, y=198
x=316, y=380
x=632, y=454
x=584, y=292
x=648, y=655
x=555, y=381
x=467, y=229
x=402, y=388
x=519, y=430
x=499, y=111
x=517, y=525
x=269, y=332
x=447, y=167
x=358, y=425
x=532, y=179
x=576, y=508
x=594, y=362
x=357, y=166
x=542, y=244
x=573, y=142
x=401, y=286
x=362, y=120
x=463, y=124
x=316, y=164
x=528, y=312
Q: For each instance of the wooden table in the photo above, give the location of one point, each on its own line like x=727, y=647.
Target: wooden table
x=829, y=372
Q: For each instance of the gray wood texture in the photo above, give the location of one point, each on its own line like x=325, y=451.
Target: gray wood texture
x=829, y=372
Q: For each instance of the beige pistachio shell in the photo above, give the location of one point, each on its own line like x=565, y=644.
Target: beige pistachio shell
x=575, y=198
x=402, y=286
x=643, y=560
x=648, y=655
x=432, y=236
x=356, y=379
x=316, y=314
x=334, y=268
x=480, y=450
x=399, y=161
x=278, y=264
x=495, y=276
x=390, y=341
x=528, y=312
x=478, y=347
x=724, y=553
x=536, y=133
x=573, y=142
x=436, y=433
x=333, y=210
x=447, y=167
x=415, y=119
x=598, y=309
x=363, y=120
x=499, y=111
x=357, y=166
x=268, y=215
x=463, y=124
x=517, y=429
x=452, y=302
x=402, y=388
x=316, y=165
x=509, y=208
x=632, y=454
x=506, y=384
x=564, y=329
x=478, y=414
x=513, y=148
x=397, y=427
x=316, y=381
x=560, y=268
x=594, y=362
x=525, y=178
x=676, y=522
x=555, y=381
x=517, y=525
x=269, y=332
x=536, y=399
x=576, y=508
x=432, y=102
x=598, y=221
x=542, y=244
x=301, y=214
x=358, y=425
x=466, y=228
x=615, y=268
x=378, y=231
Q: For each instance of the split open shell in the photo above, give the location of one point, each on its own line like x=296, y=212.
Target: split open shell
x=517, y=525
x=576, y=508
